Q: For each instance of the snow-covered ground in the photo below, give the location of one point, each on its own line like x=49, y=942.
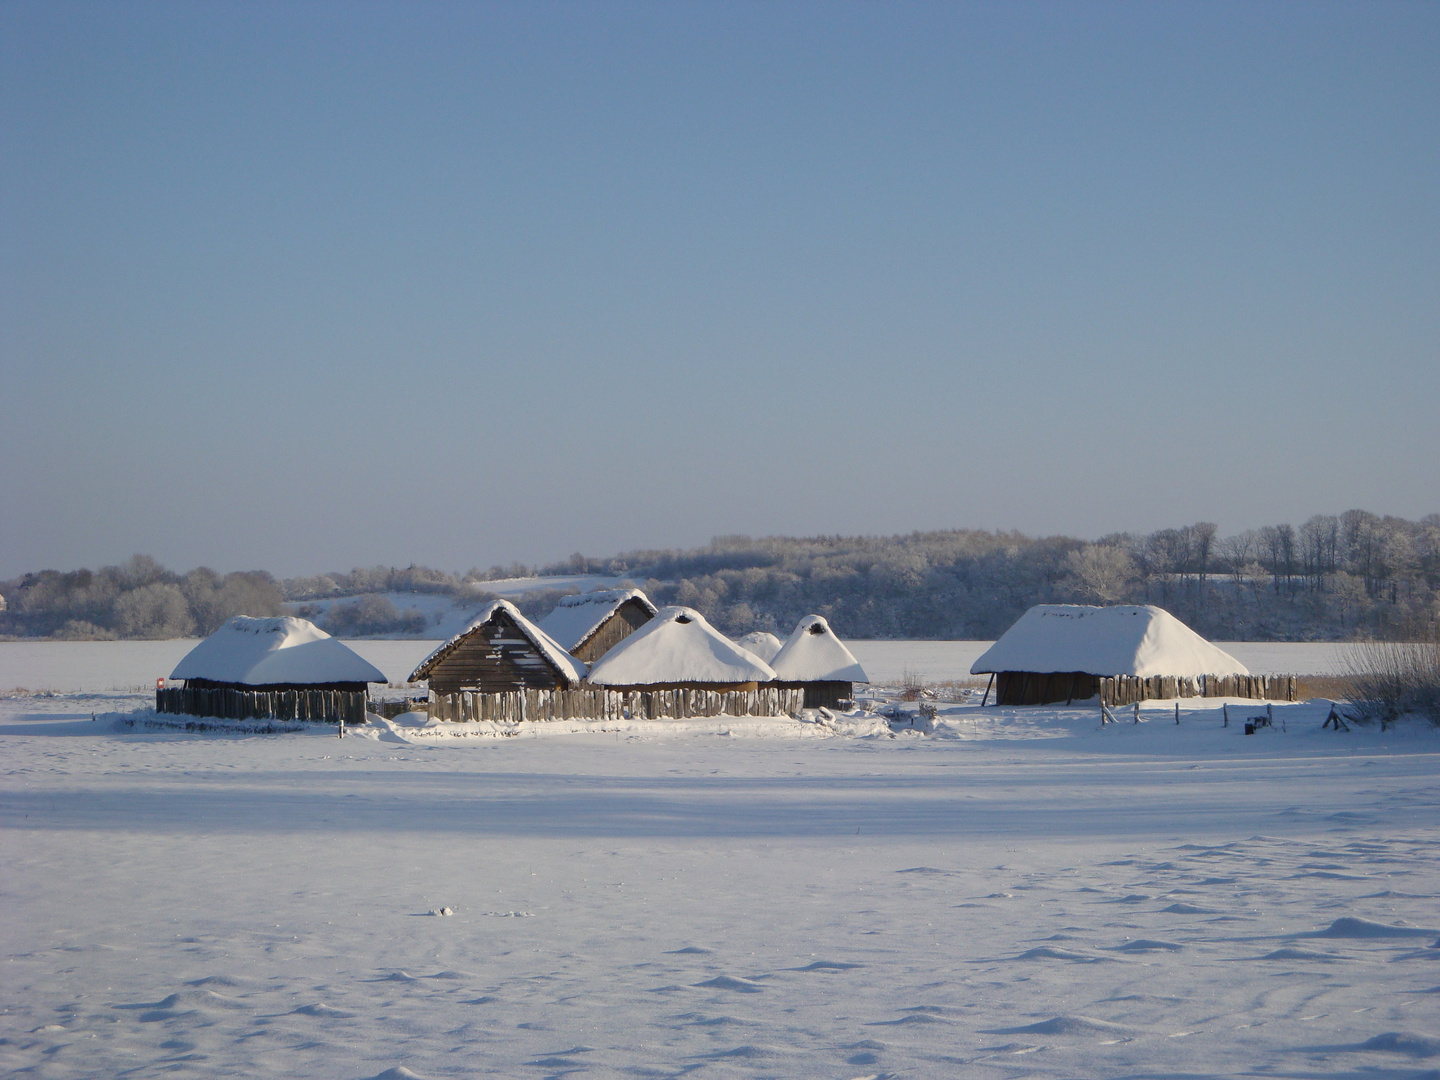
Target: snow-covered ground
x=997, y=893
x=132, y=665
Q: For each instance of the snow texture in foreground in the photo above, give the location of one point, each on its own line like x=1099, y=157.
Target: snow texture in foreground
x=1141, y=641
x=678, y=646
x=263, y=652
x=419, y=728
x=813, y=653
x=1002, y=892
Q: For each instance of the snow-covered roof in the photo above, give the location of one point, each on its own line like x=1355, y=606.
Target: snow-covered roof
x=548, y=647
x=762, y=643
x=1141, y=640
x=678, y=646
x=813, y=653
x=266, y=652
x=575, y=618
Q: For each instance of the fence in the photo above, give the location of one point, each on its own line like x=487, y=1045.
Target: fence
x=1128, y=689
x=329, y=706
x=680, y=704
x=393, y=707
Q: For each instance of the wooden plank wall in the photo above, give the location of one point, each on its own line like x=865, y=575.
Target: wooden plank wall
x=1044, y=687
x=1126, y=689
x=495, y=657
x=328, y=706
x=621, y=623
x=594, y=704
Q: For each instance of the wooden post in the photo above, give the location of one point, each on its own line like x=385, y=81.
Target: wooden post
x=989, y=684
x=1137, y=712
x=1177, y=713
x=1225, y=709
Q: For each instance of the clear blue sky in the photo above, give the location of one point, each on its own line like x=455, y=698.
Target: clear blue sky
x=305, y=286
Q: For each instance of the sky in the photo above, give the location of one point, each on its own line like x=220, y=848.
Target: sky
x=308, y=286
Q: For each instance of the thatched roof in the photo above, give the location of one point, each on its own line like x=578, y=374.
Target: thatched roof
x=678, y=646
x=1126, y=640
x=576, y=618
x=274, y=652
x=813, y=653
x=567, y=667
x=762, y=643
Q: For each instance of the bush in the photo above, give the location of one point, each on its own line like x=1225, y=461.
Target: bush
x=79, y=630
x=372, y=615
x=1393, y=678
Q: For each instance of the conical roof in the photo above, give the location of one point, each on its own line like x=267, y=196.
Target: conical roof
x=268, y=652
x=813, y=653
x=762, y=643
x=1142, y=641
x=678, y=646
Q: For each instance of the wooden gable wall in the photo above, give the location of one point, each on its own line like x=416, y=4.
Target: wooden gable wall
x=618, y=625
x=495, y=657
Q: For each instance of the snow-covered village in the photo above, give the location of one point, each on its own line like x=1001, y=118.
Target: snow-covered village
x=885, y=542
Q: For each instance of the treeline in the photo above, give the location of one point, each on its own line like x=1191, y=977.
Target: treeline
x=138, y=600
x=1336, y=577
x=142, y=599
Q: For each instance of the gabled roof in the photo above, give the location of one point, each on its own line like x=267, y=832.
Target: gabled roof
x=268, y=652
x=1125, y=640
x=576, y=618
x=678, y=646
x=762, y=643
x=567, y=665
x=813, y=653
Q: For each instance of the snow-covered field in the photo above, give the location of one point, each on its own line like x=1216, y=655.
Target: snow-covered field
x=995, y=893
x=132, y=665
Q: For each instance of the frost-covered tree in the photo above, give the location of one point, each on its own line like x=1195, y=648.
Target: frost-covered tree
x=158, y=610
x=1101, y=573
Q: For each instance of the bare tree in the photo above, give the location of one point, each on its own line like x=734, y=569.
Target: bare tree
x=1239, y=551
x=1202, y=535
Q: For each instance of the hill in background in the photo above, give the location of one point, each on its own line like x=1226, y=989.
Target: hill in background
x=1335, y=577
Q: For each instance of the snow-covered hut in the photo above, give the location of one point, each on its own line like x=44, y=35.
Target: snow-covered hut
x=500, y=650
x=814, y=659
x=762, y=643
x=275, y=654
x=589, y=625
x=1060, y=652
x=678, y=649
